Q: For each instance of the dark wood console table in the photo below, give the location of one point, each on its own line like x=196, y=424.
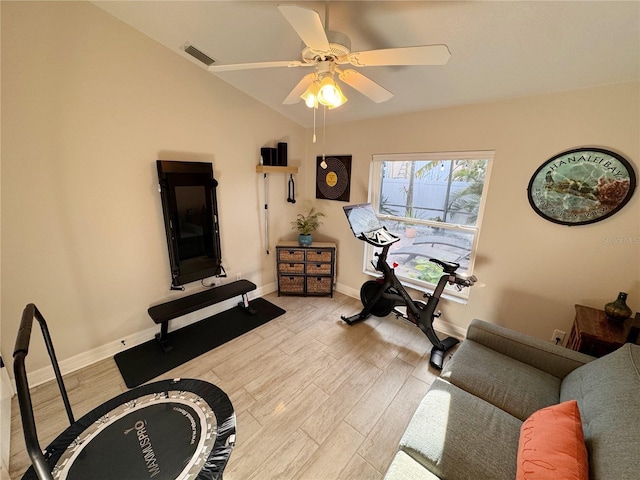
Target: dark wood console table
x=165, y=312
x=594, y=335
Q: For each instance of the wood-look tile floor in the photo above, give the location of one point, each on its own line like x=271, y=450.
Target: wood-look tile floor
x=314, y=398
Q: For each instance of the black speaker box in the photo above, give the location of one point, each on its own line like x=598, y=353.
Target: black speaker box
x=282, y=154
x=269, y=156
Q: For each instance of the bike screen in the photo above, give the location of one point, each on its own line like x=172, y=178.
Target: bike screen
x=362, y=218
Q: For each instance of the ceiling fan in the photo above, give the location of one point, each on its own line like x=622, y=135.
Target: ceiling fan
x=325, y=50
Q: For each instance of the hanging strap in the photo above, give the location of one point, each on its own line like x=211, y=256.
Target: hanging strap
x=266, y=214
x=291, y=190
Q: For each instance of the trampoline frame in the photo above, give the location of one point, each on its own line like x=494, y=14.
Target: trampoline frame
x=43, y=463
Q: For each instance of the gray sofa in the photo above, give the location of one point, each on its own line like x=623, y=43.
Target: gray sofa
x=468, y=424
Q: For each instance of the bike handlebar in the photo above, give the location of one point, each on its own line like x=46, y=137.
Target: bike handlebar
x=464, y=281
x=379, y=238
x=448, y=268
x=457, y=279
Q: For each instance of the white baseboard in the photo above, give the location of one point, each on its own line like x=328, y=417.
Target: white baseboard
x=450, y=329
x=77, y=362
x=350, y=292
x=69, y=365
x=6, y=392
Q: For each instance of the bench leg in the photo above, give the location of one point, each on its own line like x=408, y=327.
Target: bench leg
x=244, y=304
x=162, y=337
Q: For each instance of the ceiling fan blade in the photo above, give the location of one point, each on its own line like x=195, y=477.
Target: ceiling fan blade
x=247, y=66
x=421, y=55
x=307, y=25
x=365, y=85
x=299, y=89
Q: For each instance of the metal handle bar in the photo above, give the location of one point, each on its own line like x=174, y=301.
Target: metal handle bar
x=22, y=385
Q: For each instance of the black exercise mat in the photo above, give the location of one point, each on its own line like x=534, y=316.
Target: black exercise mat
x=143, y=362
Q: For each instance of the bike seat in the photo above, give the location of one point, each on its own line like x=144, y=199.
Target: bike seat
x=447, y=267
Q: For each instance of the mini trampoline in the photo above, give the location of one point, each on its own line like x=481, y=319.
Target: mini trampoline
x=166, y=430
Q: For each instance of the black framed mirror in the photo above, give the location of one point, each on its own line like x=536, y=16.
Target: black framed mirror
x=189, y=205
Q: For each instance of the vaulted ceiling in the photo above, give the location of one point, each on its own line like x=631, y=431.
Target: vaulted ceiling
x=499, y=49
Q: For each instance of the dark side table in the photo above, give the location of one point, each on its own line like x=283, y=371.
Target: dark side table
x=594, y=335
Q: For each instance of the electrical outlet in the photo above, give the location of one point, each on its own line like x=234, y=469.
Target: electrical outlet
x=558, y=337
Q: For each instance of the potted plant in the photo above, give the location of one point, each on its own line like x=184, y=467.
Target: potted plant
x=306, y=224
x=410, y=230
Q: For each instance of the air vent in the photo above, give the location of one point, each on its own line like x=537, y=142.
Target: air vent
x=198, y=55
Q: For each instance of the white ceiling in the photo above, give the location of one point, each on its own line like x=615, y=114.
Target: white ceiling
x=500, y=49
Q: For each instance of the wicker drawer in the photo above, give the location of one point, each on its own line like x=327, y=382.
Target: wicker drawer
x=318, y=285
x=290, y=255
x=291, y=284
x=319, y=256
x=319, y=268
x=291, y=267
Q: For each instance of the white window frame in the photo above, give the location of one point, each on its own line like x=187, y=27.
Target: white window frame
x=375, y=183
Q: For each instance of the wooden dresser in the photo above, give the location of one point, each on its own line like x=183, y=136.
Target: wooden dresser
x=306, y=270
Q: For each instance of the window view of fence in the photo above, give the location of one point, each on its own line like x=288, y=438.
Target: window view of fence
x=434, y=203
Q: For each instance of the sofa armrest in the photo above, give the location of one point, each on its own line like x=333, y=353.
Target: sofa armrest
x=548, y=357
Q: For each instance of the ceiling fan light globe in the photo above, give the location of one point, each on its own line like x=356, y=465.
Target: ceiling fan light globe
x=330, y=94
x=339, y=103
x=311, y=101
x=310, y=95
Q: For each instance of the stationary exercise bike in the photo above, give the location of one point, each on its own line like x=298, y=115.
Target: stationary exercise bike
x=386, y=294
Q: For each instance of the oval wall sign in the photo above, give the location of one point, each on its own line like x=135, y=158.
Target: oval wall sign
x=581, y=186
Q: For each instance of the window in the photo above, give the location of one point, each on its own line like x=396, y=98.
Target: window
x=434, y=203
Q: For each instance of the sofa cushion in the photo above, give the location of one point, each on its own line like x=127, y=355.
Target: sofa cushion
x=608, y=395
x=513, y=386
x=458, y=436
x=546, y=356
x=404, y=467
x=552, y=445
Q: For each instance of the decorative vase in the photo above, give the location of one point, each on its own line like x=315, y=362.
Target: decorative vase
x=618, y=311
x=304, y=240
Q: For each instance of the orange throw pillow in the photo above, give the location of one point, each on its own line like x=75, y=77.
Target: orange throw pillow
x=552, y=445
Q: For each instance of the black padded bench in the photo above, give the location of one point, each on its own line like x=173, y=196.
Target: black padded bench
x=176, y=308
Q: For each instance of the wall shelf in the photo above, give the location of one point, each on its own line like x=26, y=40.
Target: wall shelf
x=275, y=169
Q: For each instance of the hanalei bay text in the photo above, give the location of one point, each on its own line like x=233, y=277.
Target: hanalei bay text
x=595, y=159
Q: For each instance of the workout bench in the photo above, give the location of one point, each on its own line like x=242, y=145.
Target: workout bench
x=167, y=311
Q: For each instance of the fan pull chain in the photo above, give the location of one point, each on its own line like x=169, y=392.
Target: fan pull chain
x=324, y=132
x=323, y=164
x=314, y=124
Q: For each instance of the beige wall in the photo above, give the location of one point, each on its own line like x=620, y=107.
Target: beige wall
x=534, y=270
x=88, y=105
